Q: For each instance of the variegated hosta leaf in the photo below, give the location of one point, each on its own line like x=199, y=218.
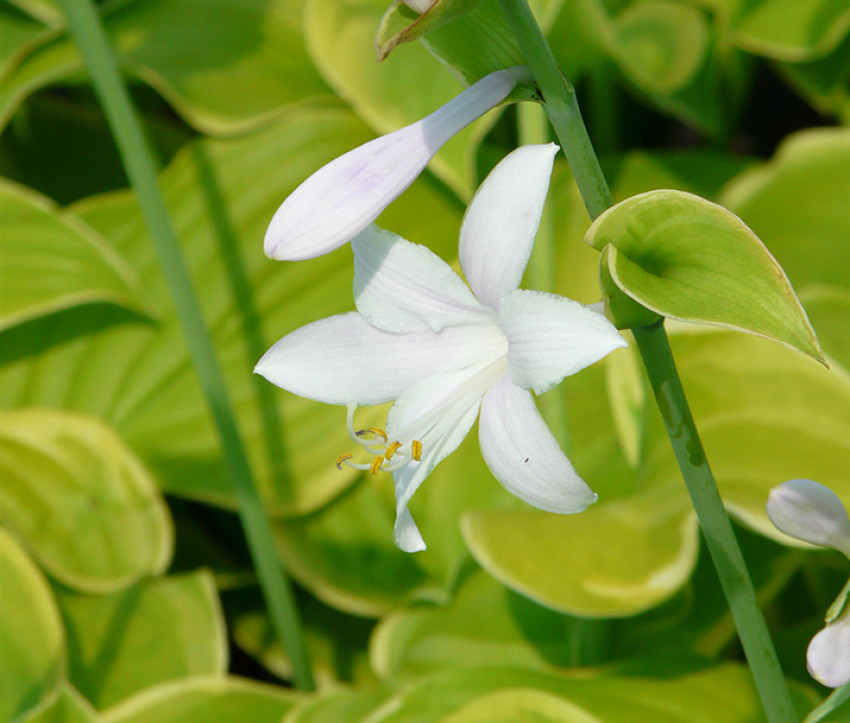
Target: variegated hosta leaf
x=205, y=700
x=161, y=630
x=84, y=503
x=49, y=263
x=226, y=67
x=32, y=641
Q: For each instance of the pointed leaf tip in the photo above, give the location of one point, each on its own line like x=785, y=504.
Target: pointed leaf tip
x=686, y=258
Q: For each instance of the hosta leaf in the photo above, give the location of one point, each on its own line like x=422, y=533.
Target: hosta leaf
x=520, y=705
x=797, y=204
x=824, y=82
x=522, y=548
x=661, y=44
x=138, y=377
x=765, y=415
x=81, y=499
x=17, y=30
x=683, y=257
x=205, y=700
x=794, y=31
x=32, y=642
x=48, y=263
x=515, y=631
x=347, y=706
x=68, y=707
x=160, y=630
x=336, y=643
x=345, y=555
x=227, y=67
x=635, y=694
x=47, y=11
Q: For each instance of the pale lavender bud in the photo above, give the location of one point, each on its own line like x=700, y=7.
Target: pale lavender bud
x=343, y=197
x=811, y=512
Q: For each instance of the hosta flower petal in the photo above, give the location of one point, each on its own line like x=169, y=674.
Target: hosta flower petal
x=828, y=656
x=400, y=286
x=438, y=412
x=550, y=337
x=498, y=229
x=344, y=359
x=810, y=511
x=523, y=455
x=406, y=534
x=342, y=198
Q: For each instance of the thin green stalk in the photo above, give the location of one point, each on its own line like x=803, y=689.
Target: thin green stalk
x=88, y=32
x=561, y=106
x=714, y=521
x=562, y=109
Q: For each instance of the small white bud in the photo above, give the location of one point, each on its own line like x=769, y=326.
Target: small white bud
x=419, y=6
x=828, y=656
x=811, y=512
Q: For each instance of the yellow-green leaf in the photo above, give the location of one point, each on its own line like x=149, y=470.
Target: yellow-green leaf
x=32, y=641
x=205, y=700
x=68, y=707
x=686, y=258
x=81, y=499
x=160, y=630
x=49, y=263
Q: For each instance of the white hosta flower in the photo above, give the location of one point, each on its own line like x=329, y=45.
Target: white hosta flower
x=343, y=197
x=813, y=513
x=421, y=337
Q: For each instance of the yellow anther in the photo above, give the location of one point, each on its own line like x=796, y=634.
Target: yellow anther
x=342, y=459
x=391, y=450
x=416, y=450
x=376, y=465
x=378, y=432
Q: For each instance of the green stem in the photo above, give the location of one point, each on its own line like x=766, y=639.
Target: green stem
x=561, y=106
x=714, y=521
x=89, y=34
x=562, y=109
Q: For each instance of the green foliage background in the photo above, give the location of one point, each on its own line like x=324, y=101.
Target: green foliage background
x=126, y=593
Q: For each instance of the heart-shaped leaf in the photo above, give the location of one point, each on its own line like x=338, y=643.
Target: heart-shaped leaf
x=85, y=504
x=686, y=258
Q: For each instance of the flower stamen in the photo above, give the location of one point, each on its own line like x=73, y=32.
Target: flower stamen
x=386, y=456
x=377, y=432
x=392, y=448
x=343, y=458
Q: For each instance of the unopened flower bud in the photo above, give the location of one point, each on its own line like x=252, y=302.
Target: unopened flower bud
x=811, y=512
